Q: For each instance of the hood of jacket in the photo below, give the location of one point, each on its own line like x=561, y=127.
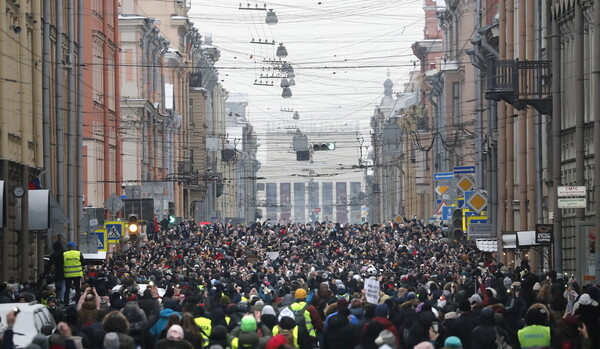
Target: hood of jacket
x=165, y=313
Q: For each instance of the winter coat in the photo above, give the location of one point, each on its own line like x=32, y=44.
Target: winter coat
x=339, y=333
x=160, y=325
x=463, y=326
x=484, y=336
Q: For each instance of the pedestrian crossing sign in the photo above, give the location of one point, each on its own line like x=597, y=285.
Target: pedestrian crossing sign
x=114, y=230
x=101, y=239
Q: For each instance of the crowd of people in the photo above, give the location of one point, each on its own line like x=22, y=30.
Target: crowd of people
x=303, y=286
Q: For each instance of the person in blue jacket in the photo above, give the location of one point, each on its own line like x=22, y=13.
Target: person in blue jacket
x=169, y=309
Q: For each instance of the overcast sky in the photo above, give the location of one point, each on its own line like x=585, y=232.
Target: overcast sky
x=341, y=52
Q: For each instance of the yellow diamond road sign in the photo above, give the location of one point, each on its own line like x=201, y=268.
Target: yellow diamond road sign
x=441, y=189
x=477, y=202
x=465, y=184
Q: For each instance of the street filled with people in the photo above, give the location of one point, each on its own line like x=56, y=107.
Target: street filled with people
x=302, y=286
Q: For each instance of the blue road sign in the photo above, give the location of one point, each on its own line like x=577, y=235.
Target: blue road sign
x=114, y=231
x=460, y=203
x=443, y=175
x=101, y=237
x=468, y=195
x=464, y=170
x=447, y=212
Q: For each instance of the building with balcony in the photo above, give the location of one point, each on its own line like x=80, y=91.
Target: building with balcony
x=400, y=187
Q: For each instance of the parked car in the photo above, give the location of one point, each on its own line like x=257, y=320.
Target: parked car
x=33, y=318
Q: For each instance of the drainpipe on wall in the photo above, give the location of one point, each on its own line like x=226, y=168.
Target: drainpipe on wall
x=579, y=90
x=145, y=55
x=509, y=128
x=533, y=118
x=501, y=141
x=58, y=107
x=117, y=106
x=485, y=44
x=454, y=53
x=26, y=129
x=80, y=77
x=71, y=183
x=596, y=133
x=556, y=142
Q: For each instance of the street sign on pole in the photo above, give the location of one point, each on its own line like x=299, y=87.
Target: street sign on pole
x=465, y=184
x=100, y=239
x=481, y=231
x=572, y=203
x=440, y=208
x=477, y=202
x=464, y=170
x=571, y=191
x=114, y=204
x=114, y=231
x=447, y=212
x=441, y=189
x=443, y=175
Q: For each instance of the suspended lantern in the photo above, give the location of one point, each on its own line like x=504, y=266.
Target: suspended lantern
x=286, y=93
x=296, y=116
x=290, y=72
x=281, y=51
x=284, y=83
x=292, y=82
x=271, y=17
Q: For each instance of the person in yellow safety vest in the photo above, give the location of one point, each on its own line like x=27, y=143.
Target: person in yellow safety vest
x=73, y=270
x=537, y=332
x=296, y=336
x=341, y=292
x=249, y=335
x=204, y=323
x=311, y=315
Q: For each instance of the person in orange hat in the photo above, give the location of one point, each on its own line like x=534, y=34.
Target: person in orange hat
x=312, y=319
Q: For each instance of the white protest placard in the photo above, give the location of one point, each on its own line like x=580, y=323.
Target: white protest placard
x=372, y=291
x=273, y=255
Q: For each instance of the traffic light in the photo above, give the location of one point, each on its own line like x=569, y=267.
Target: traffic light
x=171, y=212
x=323, y=146
x=457, y=224
x=132, y=225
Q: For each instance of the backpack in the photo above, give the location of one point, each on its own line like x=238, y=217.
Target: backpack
x=288, y=334
x=299, y=317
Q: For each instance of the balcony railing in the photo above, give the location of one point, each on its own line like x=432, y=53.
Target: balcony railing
x=520, y=83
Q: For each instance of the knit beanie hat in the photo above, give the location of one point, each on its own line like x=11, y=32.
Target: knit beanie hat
x=111, y=341
x=175, y=332
x=248, y=323
x=382, y=310
x=276, y=341
x=585, y=299
x=385, y=337
x=300, y=294
x=268, y=310
x=453, y=342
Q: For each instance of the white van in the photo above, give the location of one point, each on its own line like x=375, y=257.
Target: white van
x=30, y=320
